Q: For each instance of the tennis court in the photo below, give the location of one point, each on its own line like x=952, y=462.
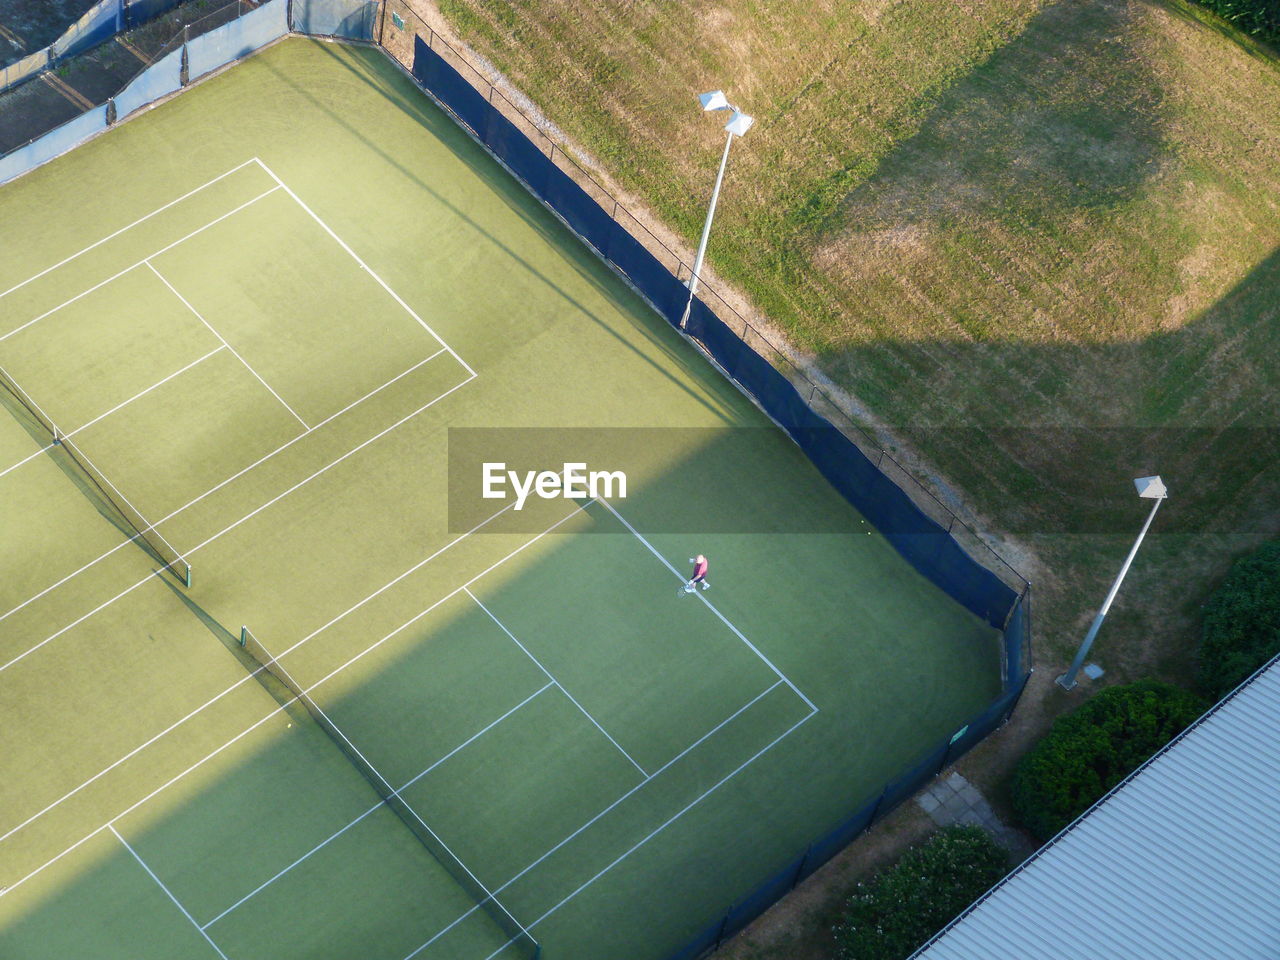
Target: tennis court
x=266, y=696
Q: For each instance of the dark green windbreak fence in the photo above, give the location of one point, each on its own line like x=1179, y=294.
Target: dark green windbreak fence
x=922, y=529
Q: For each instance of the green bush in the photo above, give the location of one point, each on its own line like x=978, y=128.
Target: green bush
x=891, y=915
x=1093, y=748
x=1241, y=622
x=1258, y=18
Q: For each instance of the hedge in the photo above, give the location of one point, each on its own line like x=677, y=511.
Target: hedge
x=1241, y=622
x=894, y=913
x=1093, y=748
x=1258, y=18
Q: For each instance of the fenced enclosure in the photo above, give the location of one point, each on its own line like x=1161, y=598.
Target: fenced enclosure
x=123, y=57
x=921, y=528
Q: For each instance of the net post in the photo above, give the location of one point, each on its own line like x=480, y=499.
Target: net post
x=188, y=577
x=244, y=636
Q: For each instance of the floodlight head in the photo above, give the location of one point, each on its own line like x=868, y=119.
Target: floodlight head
x=1152, y=488
x=740, y=123
x=715, y=100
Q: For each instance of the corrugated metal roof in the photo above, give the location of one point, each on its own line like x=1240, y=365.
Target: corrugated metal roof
x=1180, y=862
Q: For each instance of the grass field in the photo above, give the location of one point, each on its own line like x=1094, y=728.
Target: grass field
x=1035, y=241
x=259, y=310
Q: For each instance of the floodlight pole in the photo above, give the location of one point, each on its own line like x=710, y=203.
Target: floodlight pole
x=706, y=231
x=1068, y=680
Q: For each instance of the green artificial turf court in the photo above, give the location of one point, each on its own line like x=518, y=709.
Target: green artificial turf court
x=260, y=309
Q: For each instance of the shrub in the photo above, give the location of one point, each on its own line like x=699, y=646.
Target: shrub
x=1093, y=748
x=1241, y=622
x=1259, y=18
x=891, y=915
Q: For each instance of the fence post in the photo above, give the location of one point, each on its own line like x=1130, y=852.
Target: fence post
x=804, y=862
x=724, y=923
x=382, y=19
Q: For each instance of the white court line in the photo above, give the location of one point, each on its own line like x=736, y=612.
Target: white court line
x=143, y=393
x=503, y=627
x=245, y=679
x=45, y=449
x=444, y=347
x=316, y=849
x=188, y=553
x=85, y=293
x=278, y=709
x=710, y=606
x=169, y=893
x=334, y=836
x=31, y=456
x=760, y=753
x=447, y=597
x=112, y=236
x=683, y=753
x=386, y=783
x=236, y=353
x=364, y=266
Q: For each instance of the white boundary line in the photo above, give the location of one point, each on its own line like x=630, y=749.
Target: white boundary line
x=710, y=606
x=444, y=348
x=112, y=236
x=235, y=686
x=247, y=677
x=311, y=704
x=29, y=457
x=679, y=756
x=324, y=843
x=234, y=351
x=498, y=890
x=103, y=283
x=503, y=627
x=212, y=490
x=169, y=893
x=760, y=753
x=364, y=266
x=143, y=393
x=82, y=426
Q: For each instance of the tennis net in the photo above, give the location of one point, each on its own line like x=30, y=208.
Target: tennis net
x=144, y=533
x=518, y=937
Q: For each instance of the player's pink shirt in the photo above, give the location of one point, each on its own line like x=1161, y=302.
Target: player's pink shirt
x=699, y=570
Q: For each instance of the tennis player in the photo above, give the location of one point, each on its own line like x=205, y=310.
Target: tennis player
x=699, y=573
